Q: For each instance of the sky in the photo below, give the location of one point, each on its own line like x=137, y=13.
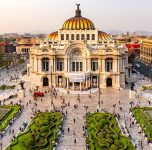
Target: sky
x=37, y=16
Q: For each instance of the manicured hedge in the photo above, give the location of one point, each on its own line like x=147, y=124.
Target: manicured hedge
x=40, y=133
x=7, y=117
x=7, y=87
x=144, y=88
x=104, y=133
x=144, y=120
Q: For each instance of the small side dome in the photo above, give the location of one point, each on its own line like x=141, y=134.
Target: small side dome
x=53, y=36
x=103, y=36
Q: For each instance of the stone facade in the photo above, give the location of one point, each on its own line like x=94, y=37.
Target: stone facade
x=24, y=44
x=146, y=51
x=78, y=57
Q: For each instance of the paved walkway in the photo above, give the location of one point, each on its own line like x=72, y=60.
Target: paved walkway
x=109, y=97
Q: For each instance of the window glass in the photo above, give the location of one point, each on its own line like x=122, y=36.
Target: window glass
x=88, y=36
x=82, y=37
x=67, y=36
x=72, y=36
x=77, y=37
x=62, y=36
x=93, y=36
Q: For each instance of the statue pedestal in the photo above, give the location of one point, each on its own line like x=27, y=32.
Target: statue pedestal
x=21, y=94
x=132, y=94
x=52, y=108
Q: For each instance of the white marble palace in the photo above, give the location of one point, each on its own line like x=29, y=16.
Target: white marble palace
x=78, y=57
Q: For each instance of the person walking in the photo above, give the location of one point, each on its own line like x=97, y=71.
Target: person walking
x=68, y=129
x=74, y=120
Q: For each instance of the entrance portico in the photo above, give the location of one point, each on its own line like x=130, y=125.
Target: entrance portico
x=79, y=81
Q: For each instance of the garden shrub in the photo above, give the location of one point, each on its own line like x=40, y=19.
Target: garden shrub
x=104, y=133
x=29, y=141
x=114, y=147
x=39, y=136
x=44, y=129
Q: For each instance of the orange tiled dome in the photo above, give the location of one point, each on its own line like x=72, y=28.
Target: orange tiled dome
x=53, y=36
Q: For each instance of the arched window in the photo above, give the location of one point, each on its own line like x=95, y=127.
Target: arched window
x=109, y=64
x=94, y=64
x=76, y=61
x=77, y=37
x=45, y=81
x=109, y=82
x=45, y=64
x=62, y=36
x=72, y=36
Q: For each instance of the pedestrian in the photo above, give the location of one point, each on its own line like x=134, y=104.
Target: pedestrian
x=74, y=120
x=41, y=99
x=75, y=141
x=66, y=112
x=9, y=131
x=12, y=131
x=68, y=103
x=73, y=132
x=68, y=129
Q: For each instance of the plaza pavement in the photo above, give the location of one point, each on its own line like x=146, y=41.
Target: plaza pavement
x=109, y=97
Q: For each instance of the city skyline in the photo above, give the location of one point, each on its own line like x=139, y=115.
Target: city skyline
x=39, y=16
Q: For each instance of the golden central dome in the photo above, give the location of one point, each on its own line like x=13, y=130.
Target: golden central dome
x=78, y=22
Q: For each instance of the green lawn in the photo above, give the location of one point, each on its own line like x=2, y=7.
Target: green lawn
x=143, y=116
x=104, y=133
x=42, y=133
x=7, y=113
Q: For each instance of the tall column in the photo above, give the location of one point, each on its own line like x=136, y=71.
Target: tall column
x=86, y=61
x=103, y=65
x=85, y=65
x=73, y=85
x=68, y=64
x=99, y=64
x=97, y=81
x=37, y=65
x=54, y=65
x=86, y=83
x=80, y=86
x=67, y=83
x=91, y=82
x=65, y=64
x=114, y=65
x=89, y=64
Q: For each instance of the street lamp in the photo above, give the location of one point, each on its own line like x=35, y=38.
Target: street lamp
x=114, y=106
x=1, y=144
x=150, y=71
x=99, y=103
x=52, y=104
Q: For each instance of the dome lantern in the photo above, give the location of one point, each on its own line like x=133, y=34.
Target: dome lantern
x=78, y=11
x=78, y=22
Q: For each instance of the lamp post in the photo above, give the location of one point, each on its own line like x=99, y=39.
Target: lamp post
x=150, y=71
x=114, y=106
x=52, y=104
x=99, y=103
x=1, y=144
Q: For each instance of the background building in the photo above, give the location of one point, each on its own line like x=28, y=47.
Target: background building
x=24, y=44
x=146, y=51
